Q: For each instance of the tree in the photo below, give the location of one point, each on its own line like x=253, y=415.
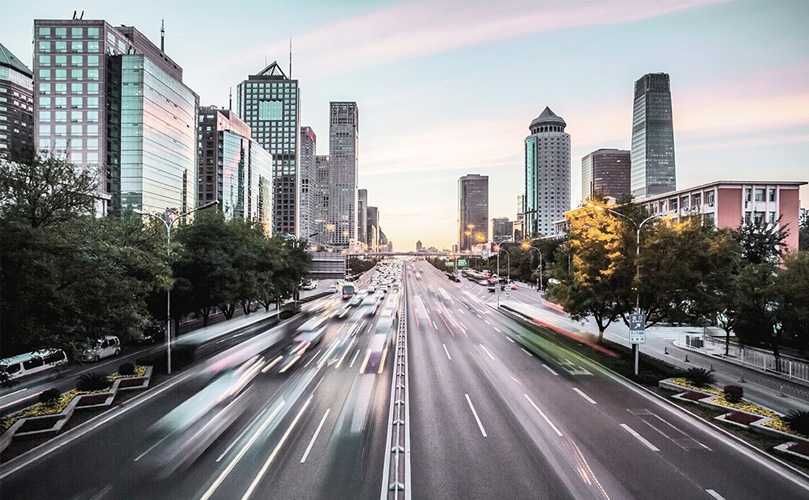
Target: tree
x=791, y=289
x=762, y=241
x=803, y=236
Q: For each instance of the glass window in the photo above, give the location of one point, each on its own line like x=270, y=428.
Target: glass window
x=75, y=130
x=60, y=129
x=44, y=46
x=61, y=46
x=92, y=130
x=44, y=144
x=61, y=60
x=60, y=143
x=92, y=102
x=76, y=143
x=92, y=60
x=92, y=46
x=92, y=74
x=709, y=198
x=76, y=157
x=748, y=194
x=92, y=33
x=76, y=60
x=76, y=88
x=44, y=130
x=92, y=88
x=33, y=363
x=61, y=88
x=44, y=102
x=92, y=157
x=44, y=60
x=60, y=116
x=75, y=102
x=92, y=116
x=759, y=194
x=61, y=74
x=76, y=74
x=77, y=47
x=772, y=194
x=44, y=116
x=61, y=32
x=44, y=32
x=772, y=217
x=44, y=88
x=76, y=32
x=92, y=143
x=44, y=74
x=76, y=116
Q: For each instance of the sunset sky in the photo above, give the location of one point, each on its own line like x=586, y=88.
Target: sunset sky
x=447, y=88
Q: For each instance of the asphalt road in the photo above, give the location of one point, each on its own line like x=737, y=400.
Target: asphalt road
x=551, y=425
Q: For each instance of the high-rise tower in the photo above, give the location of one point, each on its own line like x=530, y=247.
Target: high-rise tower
x=473, y=211
x=547, y=173
x=344, y=127
x=606, y=172
x=653, y=170
x=308, y=174
x=16, y=106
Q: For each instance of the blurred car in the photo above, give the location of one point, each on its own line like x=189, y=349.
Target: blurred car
x=332, y=289
x=377, y=352
x=513, y=286
x=104, y=347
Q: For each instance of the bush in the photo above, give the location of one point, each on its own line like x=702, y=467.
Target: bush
x=798, y=421
x=92, y=381
x=126, y=369
x=49, y=396
x=700, y=377
x=734, y=393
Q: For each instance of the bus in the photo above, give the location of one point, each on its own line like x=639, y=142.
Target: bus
x=348, y=291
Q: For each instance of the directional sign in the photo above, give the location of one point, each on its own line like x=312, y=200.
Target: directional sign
x=637, y=329
x=449, y=264
x=461, y=262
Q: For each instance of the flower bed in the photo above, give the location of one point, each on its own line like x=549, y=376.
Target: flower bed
x=741, y=418
x=40, y=423
x=801, y=447
x=93, y=399
x=694, y=396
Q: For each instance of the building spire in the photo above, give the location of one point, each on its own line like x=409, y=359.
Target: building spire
x=290, y=58
x=162, y=35
x=230, y=99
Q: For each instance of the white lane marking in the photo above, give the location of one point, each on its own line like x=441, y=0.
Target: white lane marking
x=239, y=438
x=550, y=369
x=317, y=432
x=472, y=407
x=558, y=433
x=510, y=339
x=640, y=438
x=345, y=352
x=486, y=321
x=275, y=451
x=313, y=358
x=150, y=449
x=526, y=352
x=479, y=316
x=354, y=358
x=435, y=326
x=461, y=311
x=208, y=494
x=13, y=393
x=446, y=351
x=714, y=494
x=585, y=396
x=498, y=330
x=487, y=351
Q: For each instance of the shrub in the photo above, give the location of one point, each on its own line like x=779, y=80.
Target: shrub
x=126, y=369
x=798, y=421
x=92, y=381
x=49, y=396
x=734, y=393
x=700, y=377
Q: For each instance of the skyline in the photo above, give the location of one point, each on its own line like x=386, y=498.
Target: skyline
x=429, y=79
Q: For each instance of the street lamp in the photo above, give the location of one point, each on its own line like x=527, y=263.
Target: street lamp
x=528, y=246
x=169, y=221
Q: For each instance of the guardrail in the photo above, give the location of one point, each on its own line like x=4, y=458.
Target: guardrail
x=396, y=475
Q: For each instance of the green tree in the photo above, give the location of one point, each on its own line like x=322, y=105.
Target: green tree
x=792, y=299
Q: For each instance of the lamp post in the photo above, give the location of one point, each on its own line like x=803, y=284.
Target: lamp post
x=497, y=285
x=169, y=221
x=638, y=227
x=528, y=246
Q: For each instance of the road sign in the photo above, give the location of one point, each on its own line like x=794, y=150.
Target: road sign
x=461, y=262
x=449, y=264
x=637, y=329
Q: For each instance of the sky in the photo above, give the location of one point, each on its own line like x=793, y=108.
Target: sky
x=448, y=88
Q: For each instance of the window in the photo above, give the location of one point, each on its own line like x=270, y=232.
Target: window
x=61, y=88
x=772, y=218
x=92, y=46
x=61, y=46
x=92, y=60
x=44, y=32
x=92, y=88
x=709, y=198
x=61, y=60
x=61, y=74
x=75, y=116
x=44, y=130
x=44, y=88
x=75, y=102
x=77, y=47
x=44, y=144
x=32, y=363
x=92, y=102
x=44, y=60
x=44, y=116
x=61, y=116
x=92, y=74
x=76, y=74
x=759, y=194
x=92, y=130
x=76, y=88
x=772, y=194
x=92, y=33
x=92, y=144
x=92, y=116
x=748, y=194
x=76, y=60
x=44, y=74
x=60, y=130
x=61, y=32
x=76, y=32
x=44, y=102
x=60, y=102
x=75, y=130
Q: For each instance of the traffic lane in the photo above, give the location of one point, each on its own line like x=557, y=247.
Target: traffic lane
x=451, y=456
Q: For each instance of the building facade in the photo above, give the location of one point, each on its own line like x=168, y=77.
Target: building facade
x=606, y=172
x=269, y=102
x=234, y=170
x=502, y=229
x=652, y=157
x=419, y=246
x=320, y=197
x=473, y=210
x=362, y=216
x=111, y=102
x=308, y=179
x=373, y=229
x=16, y=106
x=547, y=173
x=344, y=129
x=519, y=221
x=728, y=204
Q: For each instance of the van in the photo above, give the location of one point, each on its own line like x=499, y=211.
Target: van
x=104, y=347
x=45, y=360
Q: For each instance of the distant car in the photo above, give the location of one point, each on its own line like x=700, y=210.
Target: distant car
x=102, y=348
x=513, y=286
x=332, y=289
x=372, y=288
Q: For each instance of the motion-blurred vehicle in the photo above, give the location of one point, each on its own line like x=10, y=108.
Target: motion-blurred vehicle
x=31, y=363
x=377, y=352
x=107, y=346
x=332, y=289
x=369, y=305
x=308, y=284
x=513, y=286
x=348, y=291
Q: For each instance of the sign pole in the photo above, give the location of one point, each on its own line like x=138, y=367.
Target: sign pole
x=637, y=335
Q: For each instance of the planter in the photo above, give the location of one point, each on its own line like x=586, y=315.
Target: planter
x=95, y=400
x=740, y=419
x=798, y=449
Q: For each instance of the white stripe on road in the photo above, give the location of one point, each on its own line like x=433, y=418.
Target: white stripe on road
x=471, y=406
x=345, y=352
x=543, y=416
x=487, y=351
x=714, y=494
x=526, y=352
x=498, y=330
x=313, y=358
x=461, y=311
x=354, y=358
x=640, y=438
x=585, y=396
x=446, y=351
x=550, y=369
x=231, y=445
x=486, y=321
x=510, y=339
x=317, y=431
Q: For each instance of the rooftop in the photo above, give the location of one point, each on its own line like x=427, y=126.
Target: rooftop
x=548, y=117
x=10, y=60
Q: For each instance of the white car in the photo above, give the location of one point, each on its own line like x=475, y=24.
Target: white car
x=103, y=348
x=332, y=289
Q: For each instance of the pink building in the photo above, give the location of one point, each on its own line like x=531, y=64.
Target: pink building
x=728, y=203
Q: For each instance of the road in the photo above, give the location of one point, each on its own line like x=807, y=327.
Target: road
x=492, y=419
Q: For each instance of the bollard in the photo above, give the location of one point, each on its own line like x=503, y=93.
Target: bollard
x=686, y=358
x=666, y=351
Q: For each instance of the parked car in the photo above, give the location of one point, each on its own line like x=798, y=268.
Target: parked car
x=104, y=347
x=30, y=363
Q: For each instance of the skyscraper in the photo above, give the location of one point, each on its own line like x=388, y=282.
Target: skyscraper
x=108, y=100
x=320, y=195
x=547, y=173
x=653, y=170
x=344, y=129
x=16, y=106
x=502, y=229
x=605, y=171
x=362, y=215
x=473, y=210
x=308, y=180
x=373, y=229
x=269, y=102
x=233, y=168
x=519, y=222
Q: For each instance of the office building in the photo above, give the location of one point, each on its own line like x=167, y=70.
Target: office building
x=605, y=172
x=343, y=149
x=653, y=169
x=419, y=246
x=362, y=215
x=233, y=168
x=16, y=106
x=519, y=222
x=269, y=102
x=547, y=173
x=502, y=229
x=308, y=174
x=373, y=229
x=320, y=199
x=111, y=102
x=473, y=210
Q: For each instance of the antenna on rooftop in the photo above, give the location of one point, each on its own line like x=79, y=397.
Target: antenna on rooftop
x=74, y=14
x=290, y=58
x=230, y=99
x=162, y=35
x=82, y=15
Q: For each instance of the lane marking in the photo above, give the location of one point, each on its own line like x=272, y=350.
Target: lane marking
x=558, y=433
x=714, y=494
x=461, y=311
x=313, y=358
x=486, y=321
x=317, y=432
x=347, y=349
x=498, y=330
x=526, y=352
x=510, y=339
x=151, y=448
x=239, y=438
x=640, y=438
x=585, y=396
x=275, y=451
x=446, y=351
x=487, y=351
x=550, y=369
x=472, y=407
x=435, y=326
x=354, y=358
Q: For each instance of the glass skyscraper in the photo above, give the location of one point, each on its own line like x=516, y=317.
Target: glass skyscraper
x=606, y=172
x=308, y=180
x=269, y=102
x=653, y=170
x=547, y=173
x=344, y=127
x=16, y=106
x=473, y=210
